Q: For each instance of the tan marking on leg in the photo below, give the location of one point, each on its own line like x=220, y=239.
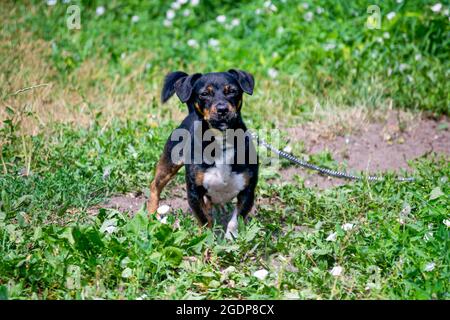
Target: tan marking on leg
x=164, y=173
x=246, y=177
x=206, y=207
x=199, y=178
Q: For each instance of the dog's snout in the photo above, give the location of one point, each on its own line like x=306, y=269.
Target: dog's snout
x=222, y=108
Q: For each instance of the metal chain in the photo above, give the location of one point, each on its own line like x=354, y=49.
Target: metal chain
x=328, y=172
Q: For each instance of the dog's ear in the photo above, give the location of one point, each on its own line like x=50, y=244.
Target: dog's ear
x=169, y=84
x=245, y=80
x=184, y=85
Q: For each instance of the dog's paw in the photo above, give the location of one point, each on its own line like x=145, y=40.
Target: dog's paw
x=232, y=230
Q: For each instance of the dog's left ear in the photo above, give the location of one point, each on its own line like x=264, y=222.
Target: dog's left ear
x=245, y=80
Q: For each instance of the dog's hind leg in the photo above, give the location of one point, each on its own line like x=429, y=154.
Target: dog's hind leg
x=165, y=170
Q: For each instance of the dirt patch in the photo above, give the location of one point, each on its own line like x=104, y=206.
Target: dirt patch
x=174, y=196
x=377, y=147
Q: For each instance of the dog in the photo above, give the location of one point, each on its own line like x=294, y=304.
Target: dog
x=214, y=102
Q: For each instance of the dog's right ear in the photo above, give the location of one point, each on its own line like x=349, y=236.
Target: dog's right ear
x=179, y=82
x=169, y=84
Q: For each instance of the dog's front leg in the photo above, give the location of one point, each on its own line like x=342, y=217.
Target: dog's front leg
x=201, y=206
x=165, y=170
x=244, y=204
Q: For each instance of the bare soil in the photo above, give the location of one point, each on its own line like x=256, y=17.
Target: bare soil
x=373, y=148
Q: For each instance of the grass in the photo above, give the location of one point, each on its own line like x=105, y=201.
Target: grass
x=97, y=129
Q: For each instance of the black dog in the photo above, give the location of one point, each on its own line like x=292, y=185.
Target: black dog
x=214, y=101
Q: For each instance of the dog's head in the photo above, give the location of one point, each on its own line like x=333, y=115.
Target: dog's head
x=216, y=97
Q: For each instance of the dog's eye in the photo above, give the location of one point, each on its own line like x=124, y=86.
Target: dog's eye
x=204, y=94
x=231, y=91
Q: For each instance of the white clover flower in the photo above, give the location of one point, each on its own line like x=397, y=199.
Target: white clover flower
x=273, y=73
x=110, y=229
x=430, y=267
x=386, y=35
x=258, y=11
x=100, y=10
x=175, y=5
x=192, y=43
x=390, y=15
x=320, y=10
x=186, y=13
x=181, y=2
x=123, y=55
x=134, y=19
x=332, y=237
x=167, y=23
x=403, y=67
x=347, y=226
x=418, y=57
x=267, y=4
x=51, y=2
x=437, y=7
x=235, y=22
x=305, y=5
x=446, y=12
x=163, y=209
x=280, y=30
x=399, y=1
x=195, y=2
x=446, y=222
x=273, y=7
x=170, y=14
x=261, y=274
x=329, y=46
x=213, y=42
x=336, y=271
x=66, y=1
x=221, y=19
x=308, y=16
x=287, y=149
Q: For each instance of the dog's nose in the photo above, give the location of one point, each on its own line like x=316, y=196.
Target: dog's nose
x=222, y=108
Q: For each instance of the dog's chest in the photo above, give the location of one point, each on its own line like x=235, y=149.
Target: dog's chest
x=220, y=182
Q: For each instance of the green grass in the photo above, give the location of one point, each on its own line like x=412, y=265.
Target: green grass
x=43, y=240
x=333, y=58
x=53, y=247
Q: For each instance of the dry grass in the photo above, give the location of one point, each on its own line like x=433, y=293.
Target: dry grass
x=89, y=90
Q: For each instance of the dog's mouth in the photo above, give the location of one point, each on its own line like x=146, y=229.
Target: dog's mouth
x=223, y=122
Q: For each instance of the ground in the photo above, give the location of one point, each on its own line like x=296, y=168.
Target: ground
x=82, y=128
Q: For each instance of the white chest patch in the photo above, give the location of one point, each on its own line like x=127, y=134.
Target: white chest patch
x=221, y=183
